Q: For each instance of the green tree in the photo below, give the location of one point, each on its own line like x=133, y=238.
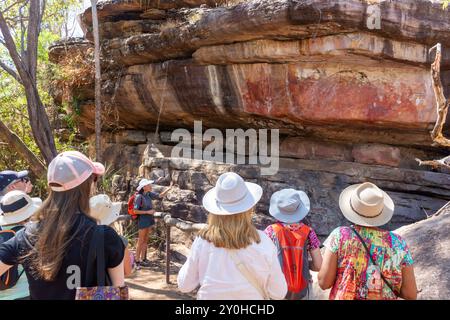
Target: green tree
x=28, y=27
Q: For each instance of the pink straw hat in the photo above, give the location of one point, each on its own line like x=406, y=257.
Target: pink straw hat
x=70, y=169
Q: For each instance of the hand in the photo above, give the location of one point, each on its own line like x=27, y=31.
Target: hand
x=151, y=212
x=29, y=187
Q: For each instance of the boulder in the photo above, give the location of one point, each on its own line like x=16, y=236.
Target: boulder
x=428, y=241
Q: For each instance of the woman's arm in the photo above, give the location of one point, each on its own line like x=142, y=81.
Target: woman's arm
x=328, y=270
x=117, y=275
x=127, y=264
x=138, y=204
x=408, y=290
x=162, y=194
x=144, y=211
x=316, y=256
x=3, y=268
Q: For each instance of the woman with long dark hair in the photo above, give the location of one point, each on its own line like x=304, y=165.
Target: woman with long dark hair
x=54, y=247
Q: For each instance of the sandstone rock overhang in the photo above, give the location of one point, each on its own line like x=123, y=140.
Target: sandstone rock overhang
x=347, y=83
x=424, y=22
x=282, y=64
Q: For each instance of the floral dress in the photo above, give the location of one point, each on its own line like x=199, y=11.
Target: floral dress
x=357, y=278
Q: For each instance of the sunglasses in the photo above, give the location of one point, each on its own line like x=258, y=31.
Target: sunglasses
x=25, y=179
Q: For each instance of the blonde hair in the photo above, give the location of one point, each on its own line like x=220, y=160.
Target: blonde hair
x=231, y=231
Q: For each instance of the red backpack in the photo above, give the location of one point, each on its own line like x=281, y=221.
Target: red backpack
x=131, y=206
x=294, y=257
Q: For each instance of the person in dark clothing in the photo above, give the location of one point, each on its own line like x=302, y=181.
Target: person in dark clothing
x=144, y=209
x=53, y=248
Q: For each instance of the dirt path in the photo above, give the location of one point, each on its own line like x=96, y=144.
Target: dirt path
x=150, y=283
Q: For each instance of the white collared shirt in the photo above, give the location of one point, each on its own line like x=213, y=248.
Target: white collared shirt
x=214, y=271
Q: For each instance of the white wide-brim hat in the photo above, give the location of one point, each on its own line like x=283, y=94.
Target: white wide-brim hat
x=143, y=183
x=231, y=195
x=289, y=205
x=17, y=207
x=366, y=205
x=104, y=210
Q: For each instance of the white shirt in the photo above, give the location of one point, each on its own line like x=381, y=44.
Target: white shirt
x=214, y=271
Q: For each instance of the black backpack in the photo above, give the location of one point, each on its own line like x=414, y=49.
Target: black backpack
x=10, y=277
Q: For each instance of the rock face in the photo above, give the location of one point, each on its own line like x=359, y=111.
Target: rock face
x=347, y=84
x=428, y=241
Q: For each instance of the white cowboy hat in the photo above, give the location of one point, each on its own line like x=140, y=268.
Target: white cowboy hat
x=103, y=209
x=289, y=205
x=143, y=183
x=17, y=206
x=231, y=195
x=366, y=205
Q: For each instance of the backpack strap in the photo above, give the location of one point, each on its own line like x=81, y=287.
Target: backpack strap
x=248, y=274
x=97, y=253
x=141, y=197
x=372, y=259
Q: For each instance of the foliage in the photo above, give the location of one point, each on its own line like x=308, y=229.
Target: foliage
x=13, y=104
x=105, y=185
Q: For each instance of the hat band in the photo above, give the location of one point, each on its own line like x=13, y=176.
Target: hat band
x=290, y=209
x=19, y=204
x=232, y=201
x=362, y=215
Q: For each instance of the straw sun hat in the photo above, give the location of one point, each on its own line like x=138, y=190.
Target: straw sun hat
x=366, y=205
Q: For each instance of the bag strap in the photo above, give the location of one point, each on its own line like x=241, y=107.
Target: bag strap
x=248, y=275
x=373, y=261
x=97, y=253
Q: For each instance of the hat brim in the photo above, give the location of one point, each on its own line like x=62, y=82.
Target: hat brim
x=354, y=217
x=113, y=215
x=249, y=201
x=22, y=216
x=146, y=184
x=291, y=217
x=22, y=174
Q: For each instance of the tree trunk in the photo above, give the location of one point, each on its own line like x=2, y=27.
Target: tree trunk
x=37, y=167
x=26, y=72
x=98, y=105
x=441, y=101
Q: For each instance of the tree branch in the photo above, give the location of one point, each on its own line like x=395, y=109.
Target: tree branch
x=441, y=101
x=10, y=71
x=11, y=5
x=34, y=14
x=18, y=145
x=435, y=164
x=11, y=47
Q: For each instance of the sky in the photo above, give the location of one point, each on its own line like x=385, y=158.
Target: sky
x=76, y=29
